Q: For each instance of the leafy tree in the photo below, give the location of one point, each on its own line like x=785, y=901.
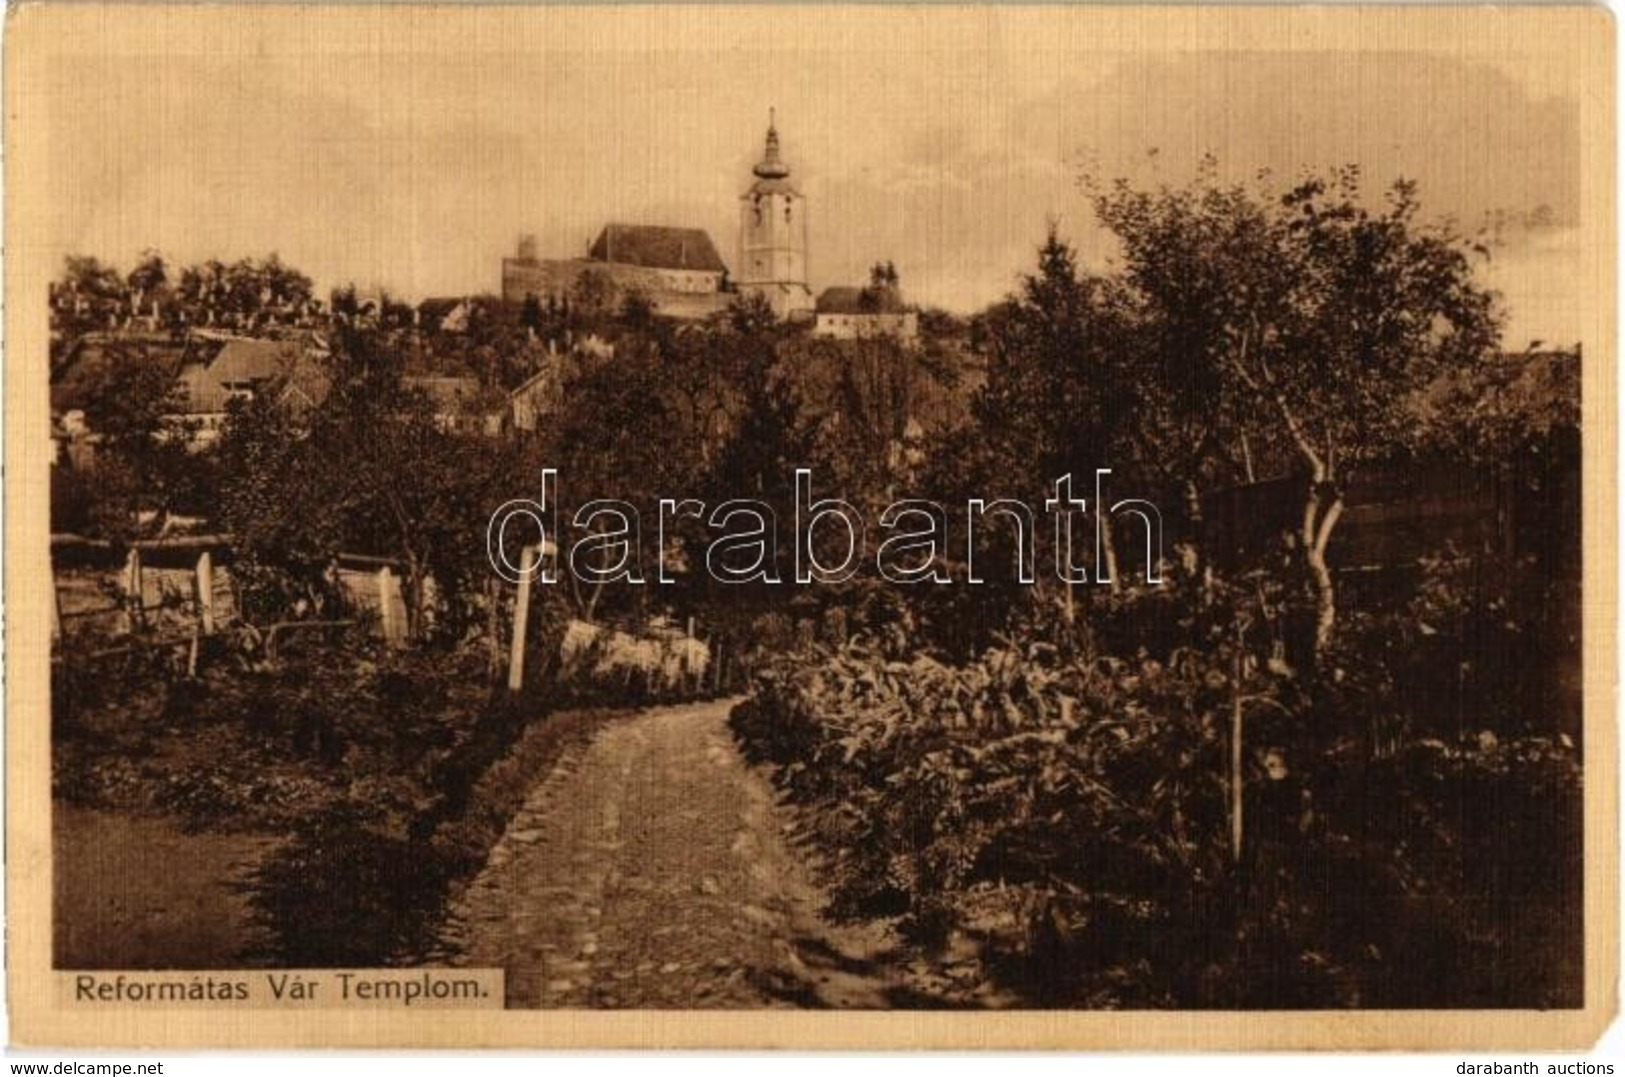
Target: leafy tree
x=89, y=297
x=144, y=467
x=619, y=438
x=246, y=294
x=409, y=488
x=148, y=281
x=699, y=388
x=593, y=294
x=883, y=276
x=530, y=314
x=863, y=395
x=637, y=310
x=1054, y=403
x=277, y=498
x=1321, y=317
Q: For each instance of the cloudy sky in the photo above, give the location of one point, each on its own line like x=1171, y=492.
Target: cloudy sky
x=410, y=152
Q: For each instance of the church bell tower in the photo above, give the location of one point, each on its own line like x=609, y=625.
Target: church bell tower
x=773, y=234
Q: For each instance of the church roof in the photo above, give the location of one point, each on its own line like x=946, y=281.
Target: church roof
x=657, y=247
x=772, y=174
x=771, y=186
x=770, y=167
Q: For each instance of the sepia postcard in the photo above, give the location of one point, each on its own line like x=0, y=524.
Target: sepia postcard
x=825, y=526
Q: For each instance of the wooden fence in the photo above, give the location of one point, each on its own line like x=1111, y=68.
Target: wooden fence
x=178, y=590
x=1397, y=518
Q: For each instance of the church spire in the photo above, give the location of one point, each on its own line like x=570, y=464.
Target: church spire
x=770, y=166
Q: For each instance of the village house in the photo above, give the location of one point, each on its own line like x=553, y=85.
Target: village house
x=244, y=369
x=845, y=313
x=459, y=404
x=536, y=398
x=444, y=314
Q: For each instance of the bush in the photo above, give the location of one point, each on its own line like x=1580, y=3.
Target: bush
x=1070, y=815
x=344, y=893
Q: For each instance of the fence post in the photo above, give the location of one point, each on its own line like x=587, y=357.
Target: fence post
x=205, y=593
x=389, y=621
x=1237, y=759
x=528, y=560
x=134, y=595
x=691, y=668
x=493, y=631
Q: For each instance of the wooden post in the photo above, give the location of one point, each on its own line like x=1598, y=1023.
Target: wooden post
x=205, y=593
x=388, y=617
x=493, y=632
x=134, y=596
x=56, y=610
x=691, y=669
x=1237, y=773
x=528, y=560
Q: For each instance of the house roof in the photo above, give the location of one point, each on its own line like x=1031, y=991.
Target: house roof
x=246, y=362
x=305, y=386
x=74, y=377
x=447, y=394
x=844, y=300
x=243, y=365
x=438, y=306
x=1543, y=387
x=657, y=247
x=542, y=380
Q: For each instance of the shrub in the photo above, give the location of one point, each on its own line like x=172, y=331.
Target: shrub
x=1070, y=814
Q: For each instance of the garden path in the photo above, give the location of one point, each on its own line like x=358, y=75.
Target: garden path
x=652, y=868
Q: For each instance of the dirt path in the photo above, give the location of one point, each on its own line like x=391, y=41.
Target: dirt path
x=650, y=869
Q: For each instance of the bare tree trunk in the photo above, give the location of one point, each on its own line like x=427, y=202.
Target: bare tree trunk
x=1108, y=552
x=1198, y=566
x=588, y=612
x=1325, y=600
x=1321, y=511
x=411, y=596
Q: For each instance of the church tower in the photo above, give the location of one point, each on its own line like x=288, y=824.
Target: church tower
x=773, y=234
